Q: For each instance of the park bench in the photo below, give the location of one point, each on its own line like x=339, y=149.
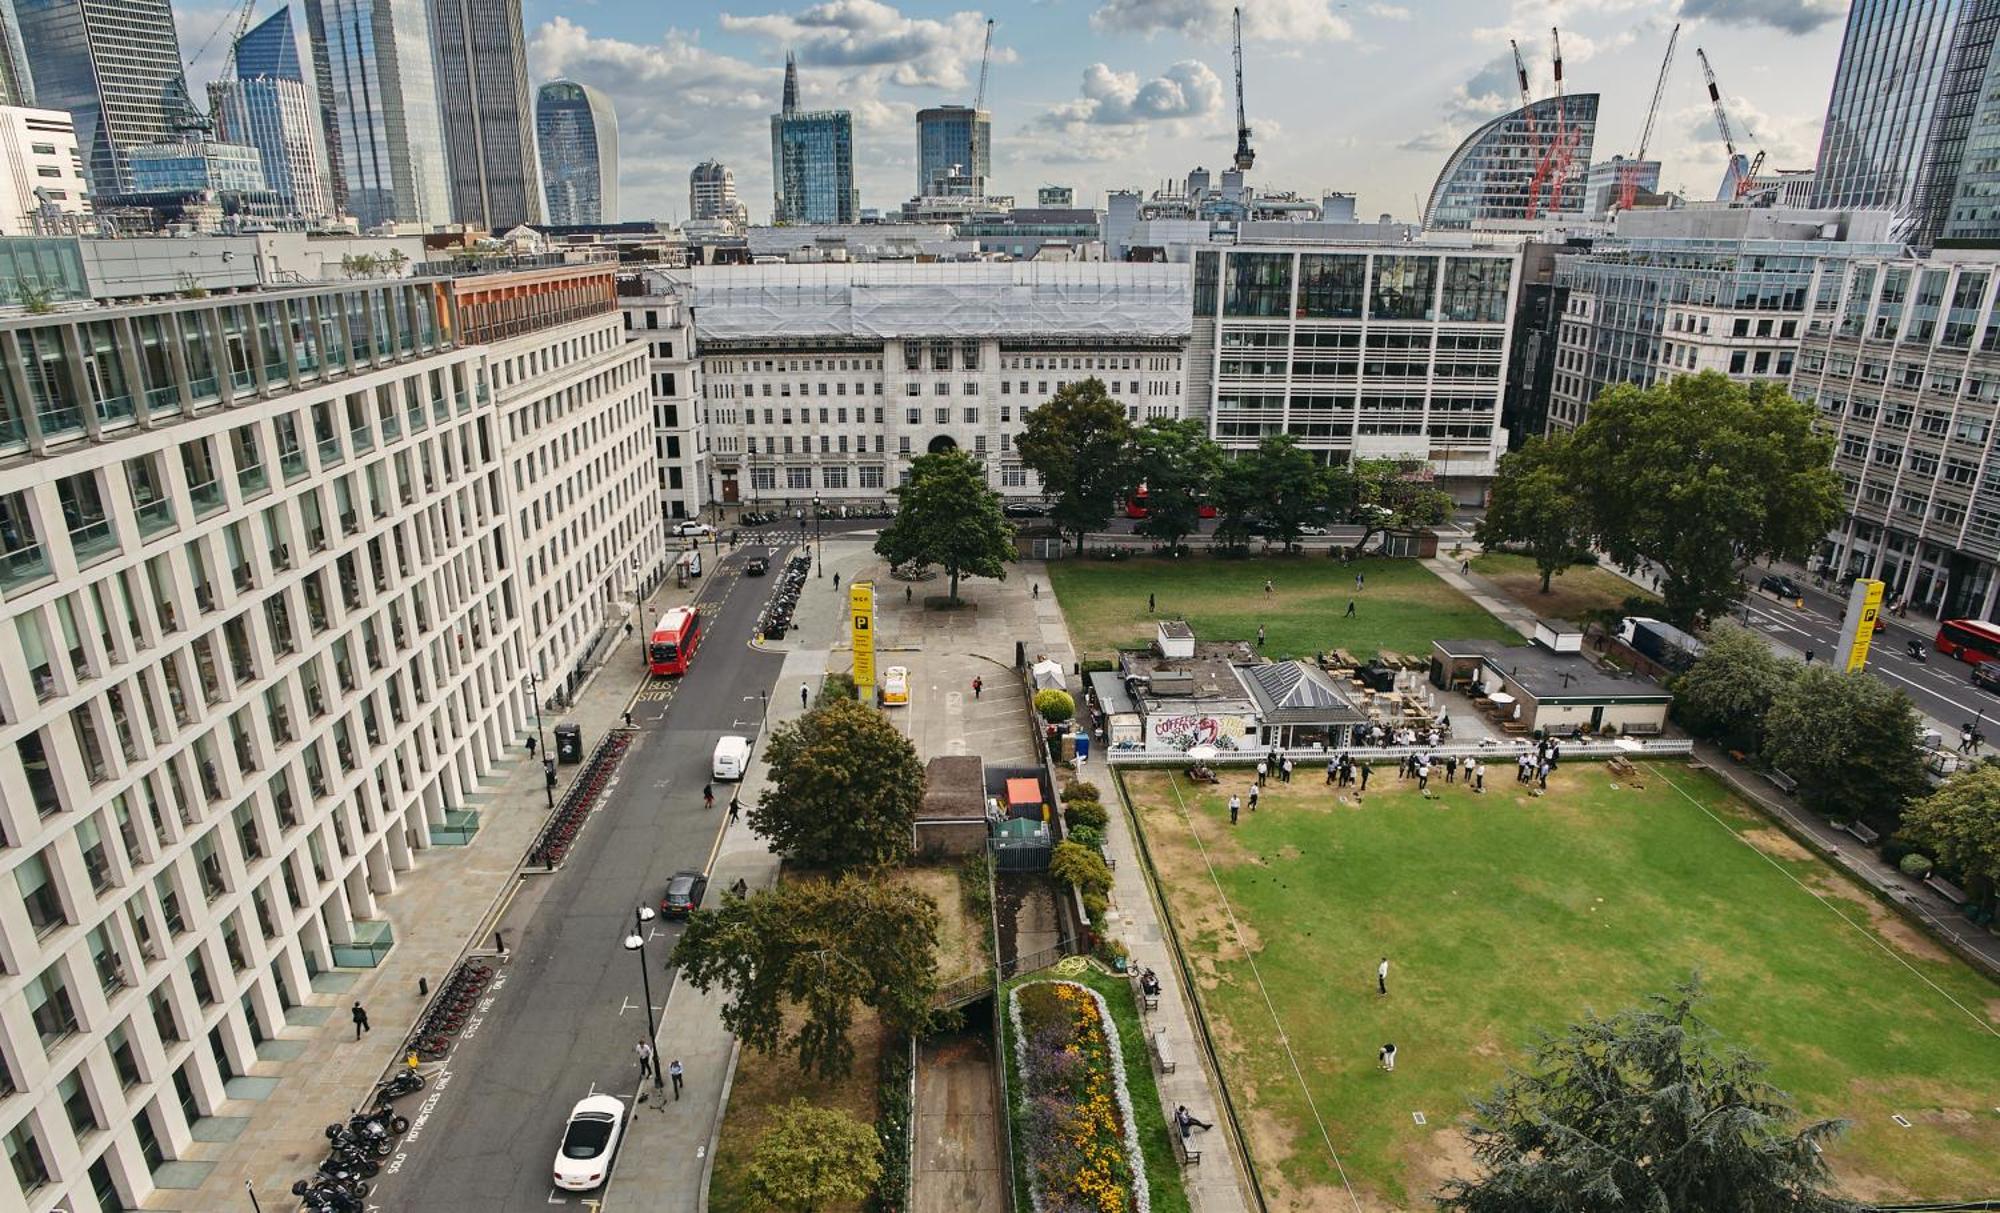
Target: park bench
x=1861, y=830
x=1190, y=1152
x=1781, y=781
x=1161, y=1053
x=1949, y=891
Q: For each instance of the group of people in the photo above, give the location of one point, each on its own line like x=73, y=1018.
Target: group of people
x=1403, y=735
x=1533, y=766
x=1273, y=763
x=1342, y=771
x=1418, y=766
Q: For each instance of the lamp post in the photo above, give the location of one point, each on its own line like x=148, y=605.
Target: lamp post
x=764, y=699
x=819, y=548
x=635, y=943
x=542, y=744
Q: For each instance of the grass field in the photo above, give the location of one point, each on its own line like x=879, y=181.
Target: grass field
x=1403, y=607
x=1574, y=593
x=1505, y=913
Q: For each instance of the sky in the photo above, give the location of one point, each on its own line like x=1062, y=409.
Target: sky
x=1361, y=97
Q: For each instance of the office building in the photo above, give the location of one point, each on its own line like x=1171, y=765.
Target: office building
x=1713, y=288
x=1902, y=360
x=17, y=81
x=812, y=161
x=657, y=315
x=1904, y=91
x=1060, y=197
x=115, y=67
x=827, y=380
x=954, y=141
x=41, y=168
x=270, y=48
x=269, y=106
x=712, y=195
x=269, y=610
x=1605, y=183
x=1974, y=217
x=577, y=133
x=1501, y=177
x=322, y=83
x=489, y=120
x=1025, y=232
x=191, y=166
x=373, y=60
x=1358, y=351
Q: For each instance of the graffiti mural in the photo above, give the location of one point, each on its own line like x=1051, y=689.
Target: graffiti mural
x=1186, y=732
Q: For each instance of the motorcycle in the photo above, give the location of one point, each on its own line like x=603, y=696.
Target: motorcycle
x=1917, y=651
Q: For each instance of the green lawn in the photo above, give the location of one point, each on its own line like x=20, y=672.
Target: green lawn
x=1573, y=593
x=1505, y=913
x=1402, y=607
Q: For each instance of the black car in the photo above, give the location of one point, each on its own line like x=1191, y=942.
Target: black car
x=1783, y=587
x=1024, y=509
x=756, y=564
x=683, y=895
x=1986, y=676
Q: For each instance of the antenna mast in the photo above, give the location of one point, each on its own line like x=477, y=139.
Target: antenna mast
x=1245, y=157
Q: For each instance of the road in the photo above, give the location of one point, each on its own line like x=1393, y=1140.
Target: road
x=567, y=1012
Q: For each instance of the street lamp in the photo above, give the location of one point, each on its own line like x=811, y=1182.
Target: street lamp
x=635, y=943
x=542, y=744
x=819, y=549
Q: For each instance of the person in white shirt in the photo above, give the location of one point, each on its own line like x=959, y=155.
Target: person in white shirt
x=1387, y=1057
x=1382, y=976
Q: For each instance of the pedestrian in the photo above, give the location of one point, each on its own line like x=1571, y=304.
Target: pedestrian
x=1287, y=768
x=360, y=1017
x=1478, y=776
x=1263, y=769
x=1382, y=976
x=707, y=796
x=532, y=743
x=674, y=1072
x=836, y=581
x=1350, y=609
x=741, y=888
x=735, y=807
x=1366, y=768
x=978, y=684
x=1235, y=807
x=1424, y=778
x=1361, y=581
x=645, y=1052
x=1451, y=769
x=1260, y=635
x=1387, y=1057
x=908, y=594
x=1542, y=774
x=1332, y=770
x=805, y=696
x=628, y=720
x=1465, y=566
x=1035, y=590
x=1149, y=604
x=1809, y=656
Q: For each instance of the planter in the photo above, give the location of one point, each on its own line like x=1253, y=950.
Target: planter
x=1081, y=1142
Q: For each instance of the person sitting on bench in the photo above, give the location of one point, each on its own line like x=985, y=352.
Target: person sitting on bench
x=1187, y=1122
x=1149, y=983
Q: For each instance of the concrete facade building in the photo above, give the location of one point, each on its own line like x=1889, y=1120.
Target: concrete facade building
x=657, y=316
x=274, y=571
x=373, y=63
x=577, y=132
x=487, y=112
x=712, y=195
x=40, y=167
x=115, y=67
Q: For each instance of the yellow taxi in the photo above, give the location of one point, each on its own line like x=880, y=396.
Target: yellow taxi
x=895, y=686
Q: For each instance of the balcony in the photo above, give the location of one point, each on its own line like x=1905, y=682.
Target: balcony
x=163, y=399
x=369, y=947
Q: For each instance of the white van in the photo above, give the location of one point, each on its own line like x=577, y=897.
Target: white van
x=732, y=758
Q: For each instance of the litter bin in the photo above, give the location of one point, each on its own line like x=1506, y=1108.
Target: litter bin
x=569, y=742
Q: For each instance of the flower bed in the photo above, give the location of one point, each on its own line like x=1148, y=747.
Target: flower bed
x=1083, y=1154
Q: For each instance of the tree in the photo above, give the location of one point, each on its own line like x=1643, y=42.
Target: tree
x=1237, y=501
x=1534, y=504
x=821, y=947
x=1081, y=444
x=1726, y=694
x=1699, y=475
x=1384, y=495
x=1179, y=465
x=1646, y=1110
x=814, y=1157
x=844, y=789
x=1284, y=483
x=1849, y=740
x=1054, y=705
x=947, y=516
x=1961, y=823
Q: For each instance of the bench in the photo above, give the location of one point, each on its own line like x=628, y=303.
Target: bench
x=1860, y=830
x=1190, y=1152
x=1150, y=1002
x=1950, y=892
x=1781, y=781
x=1161, y=1053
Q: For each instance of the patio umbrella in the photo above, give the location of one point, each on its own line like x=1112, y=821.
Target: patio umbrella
x=1202, y=753
x=1629, y=743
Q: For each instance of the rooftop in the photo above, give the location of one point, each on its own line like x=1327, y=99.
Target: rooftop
x=1554, y=677
x=1295, y=692
x=954, y=789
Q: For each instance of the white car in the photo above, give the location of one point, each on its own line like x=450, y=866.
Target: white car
x=1312, y=529
x=589, y=1140
x=699, y=530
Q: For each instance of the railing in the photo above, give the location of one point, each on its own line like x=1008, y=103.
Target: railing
x=1657, y=747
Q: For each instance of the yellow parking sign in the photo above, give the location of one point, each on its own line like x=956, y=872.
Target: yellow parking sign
x=861, y=633
x=1864, y=608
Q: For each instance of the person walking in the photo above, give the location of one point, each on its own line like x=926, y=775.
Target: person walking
x=1149, y=604
x=836, y=582
x=908, y=595
x=1235, y=807
x=1361, y=581
x=674, y=1072
x=1451, y=768
x=1350, y=609
x=1387, y=1057
x=707, y=796
x=1035, y=590
x=1260, y=635
x=360, y=1017
x=532, y=743
x=1332, y=770
x=645, y=1052
x=1267, y=585
x=1286, y=767
x=1253, y=798
x=1464, y=566
x=978, y=685
x=1263, y=769
x=805, y=696
x=1366, y=768
x=1382, y=976
x=735, y=807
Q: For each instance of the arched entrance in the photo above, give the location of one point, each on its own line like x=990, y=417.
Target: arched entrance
x=941, y=444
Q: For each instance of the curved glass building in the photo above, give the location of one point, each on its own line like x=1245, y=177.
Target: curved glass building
x=577, y=132
x=1486, y=181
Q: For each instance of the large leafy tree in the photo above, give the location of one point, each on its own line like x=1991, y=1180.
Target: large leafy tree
x=1081, y=445
x=844, y=789
x=1534, y=506
x=1384, y=495
x=1644, y=1111
x=1179, y=464
x=1699, y=475
x=1237, y=501
x=1850, y=741
x=811, y=1158
x=822, y=948
x=1727, y=694
x=1960, y=823
x=1284, y=483
x=947, y=516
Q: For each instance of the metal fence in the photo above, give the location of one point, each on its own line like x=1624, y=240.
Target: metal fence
x=1633, y=748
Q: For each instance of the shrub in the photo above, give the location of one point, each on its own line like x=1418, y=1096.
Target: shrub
x=1081, y=789
x=1086, y=836
x=1111, y=952
x=1085, y=813
x=836, y=687
x=1099, y=665
x=1082, y=866
x=1054, y=706
x=1094, y=905
x=1916, y=863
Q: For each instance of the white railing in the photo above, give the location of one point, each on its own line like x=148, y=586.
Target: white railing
x=1303, y=760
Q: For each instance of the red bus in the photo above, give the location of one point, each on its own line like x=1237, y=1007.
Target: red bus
x=674, y=640
x=1135, y=505
x=1969, y=640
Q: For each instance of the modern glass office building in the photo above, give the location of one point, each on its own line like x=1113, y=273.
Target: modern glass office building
x=1493, y=174
x=115, y=65
x=954, y=136
x=17, y=83
x=373, y=59
x=269, y=106
x=812, y=161
x=489, y=123
x=577, y=131
x=1904, y=92
x=192, y=165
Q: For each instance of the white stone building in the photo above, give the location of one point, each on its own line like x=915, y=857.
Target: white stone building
x=39, y=165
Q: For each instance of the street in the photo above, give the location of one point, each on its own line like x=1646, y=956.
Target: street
x=567, y=1011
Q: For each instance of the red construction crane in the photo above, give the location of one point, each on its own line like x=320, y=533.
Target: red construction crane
x=1749, y=175
x=1534, y=136
x=1562, y=148
x=1628, y=177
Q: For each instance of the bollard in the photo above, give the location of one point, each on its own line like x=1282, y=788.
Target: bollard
x=424, y=986
x=499, y=944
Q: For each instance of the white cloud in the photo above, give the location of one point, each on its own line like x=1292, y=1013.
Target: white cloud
x=1791, y=16
x=1188, y=89
x=1209, y=20
x=917, y=52
x=1388, y=12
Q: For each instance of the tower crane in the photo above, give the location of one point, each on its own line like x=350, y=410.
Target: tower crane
x=188, y=117
x=1748, y=176
x=986, y=53
x=1245, y=157
x=1628, y=178
x=1534, y=136
x=1562, y=148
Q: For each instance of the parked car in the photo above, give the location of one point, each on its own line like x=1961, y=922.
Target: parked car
x=589, y=1142
x=1780, y=585
x=895, y=686
x=683, y=895
x=732, y=756
x=1312, y=528
x=1024, y=509
x=698, y=530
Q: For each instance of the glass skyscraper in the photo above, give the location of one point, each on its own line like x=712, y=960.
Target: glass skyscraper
x=115, y=65
x=1489, y=179
x=269, y=107
x=17, y=84
x=489, y=125
x=812, y=161
x=373, y=59
x=951, y=136
x=577, y=131
x=1904, y=93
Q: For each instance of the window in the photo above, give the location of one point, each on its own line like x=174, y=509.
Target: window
x=1330, y=286
x=49, y=1006
x=1259, y=284
x=38, y=892
x=26, y=1155
x=1403, y=288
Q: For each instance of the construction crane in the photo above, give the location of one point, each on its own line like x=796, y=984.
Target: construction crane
x=188, y=117
x=1562, y=147
x=1628, y=177
x=986, y=53
x=1245, y=157
x=1748, y=176
x=1534, y=136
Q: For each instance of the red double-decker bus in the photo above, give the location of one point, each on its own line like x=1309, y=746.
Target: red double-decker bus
x=674, y=640
x=1969, y=640
x=1135, y=505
